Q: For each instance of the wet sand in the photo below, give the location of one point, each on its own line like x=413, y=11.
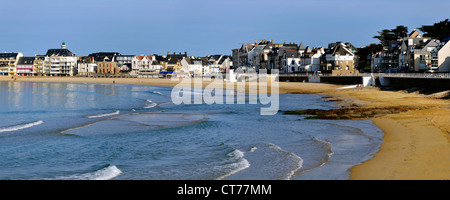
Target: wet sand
x=416, y=142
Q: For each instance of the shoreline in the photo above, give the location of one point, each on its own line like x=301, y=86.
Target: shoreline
x=414, y=141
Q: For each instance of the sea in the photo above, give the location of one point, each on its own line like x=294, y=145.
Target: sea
x=81, y=131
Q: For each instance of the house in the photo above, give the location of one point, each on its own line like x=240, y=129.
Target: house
x=140, y=63
x=86, y=66
x=174, y=65
x=160, y=60
x=105, y=63
x=280, y=54
x=339, y=59
x=156, y=66
x=124, y=62
x=375, y=61
x=25, y=66
x=219, y=63
x=107, y=66
x=225, y=63
x=39, y=63
x=408, y=57
x=422, y=57
x=240, y=56
x=310, y=59
x=135, y=65
x=60, y=62
x=293, y=62
x=150, y=67
x=258, y=56
x=192, y=65
x=174, y=62
x=8, y=63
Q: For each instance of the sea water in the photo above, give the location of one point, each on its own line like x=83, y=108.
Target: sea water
x=78, y=131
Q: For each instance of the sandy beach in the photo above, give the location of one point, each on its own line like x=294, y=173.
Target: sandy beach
x=416, y=142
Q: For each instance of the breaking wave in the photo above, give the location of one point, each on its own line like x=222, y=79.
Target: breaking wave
x=239, y=164
x=290, y=163
x=21, y=126
x=107, y=173
x=104, y=115
x=151, y=104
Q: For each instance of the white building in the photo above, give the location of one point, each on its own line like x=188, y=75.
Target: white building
x=293, y=65
x=136, y=64
x=192, y=66
x=310, y=59
x=86, y=66
x=443, y=56
x=60, y=62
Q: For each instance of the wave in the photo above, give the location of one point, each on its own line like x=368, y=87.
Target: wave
x=104, y=115
x=239, y=164
x=107, y=173
x=295, y=164
x=21, y=126
x=151, y=104
x=327, y=144
x=156, y=92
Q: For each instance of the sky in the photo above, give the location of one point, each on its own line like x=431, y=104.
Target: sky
x=201, y=27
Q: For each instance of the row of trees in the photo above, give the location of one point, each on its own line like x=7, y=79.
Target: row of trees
x=440, y=31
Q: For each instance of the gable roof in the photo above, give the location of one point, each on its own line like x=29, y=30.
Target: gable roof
x=339, y=48
x=301, y=47
x=415, y=34
x=423, y=46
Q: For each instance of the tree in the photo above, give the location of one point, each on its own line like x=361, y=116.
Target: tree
x=387, y=35
x=364, y=54
x=438, y=30
x=400, y=32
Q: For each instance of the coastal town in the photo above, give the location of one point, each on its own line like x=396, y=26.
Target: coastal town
x=413, y=53
x=225, y=90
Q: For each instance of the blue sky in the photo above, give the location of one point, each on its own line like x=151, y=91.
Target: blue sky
x=201, y=27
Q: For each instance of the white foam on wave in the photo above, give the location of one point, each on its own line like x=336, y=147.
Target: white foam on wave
x=151, y=104
x=104, y=115
x=239, y=163
x=297, y=165
x=21, y=126
x=106, y=173
x=328, y=145
x=156, y=92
